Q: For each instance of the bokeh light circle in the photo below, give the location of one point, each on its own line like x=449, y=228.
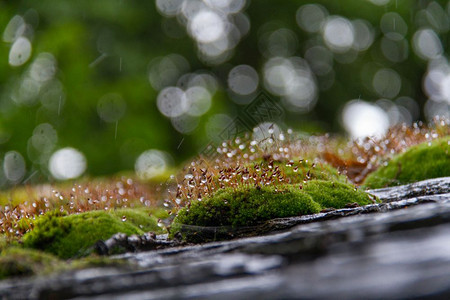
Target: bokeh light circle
x=44, y=137
x=111, y=107
x=14, y=166
x=243, y=80
x=362, y=119
x=338, y=34
x=310, y=17
x=198, y=101
x=207, y=26
x=67, y=163
x=172, y=102
x=20, y=52
x=427, y=44
x=387, y=83
x=151, y=163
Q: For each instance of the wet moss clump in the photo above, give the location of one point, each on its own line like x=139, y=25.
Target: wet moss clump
x=74, y=235
x=246, y=206
x=336, y=195
x=424, y=161
x=249, y=205
x=15, y=261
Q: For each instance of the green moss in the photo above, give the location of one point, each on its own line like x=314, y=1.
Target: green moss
x=3, y=242
x=320, y=171
x=420, y=162
x=248, y=205
x=15, y=196
x=16, y=261
x=74, y=235
x=94, y=261
x=138, y=217
x=335, y=194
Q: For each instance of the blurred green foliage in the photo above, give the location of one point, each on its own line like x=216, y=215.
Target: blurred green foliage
x=103, y=47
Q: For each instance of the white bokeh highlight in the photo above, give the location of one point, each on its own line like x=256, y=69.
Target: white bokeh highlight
x=14, y=166
x=338, y=34
x=67, y=163
x=362, y=119
x=427, y=44
x=243, y=80
x=20, y=52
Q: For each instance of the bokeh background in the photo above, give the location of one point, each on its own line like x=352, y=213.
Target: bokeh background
x=99, y=87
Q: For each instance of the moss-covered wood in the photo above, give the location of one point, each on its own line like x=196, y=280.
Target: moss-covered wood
x=424, y=161
x=248, y=205
x=74, y=235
